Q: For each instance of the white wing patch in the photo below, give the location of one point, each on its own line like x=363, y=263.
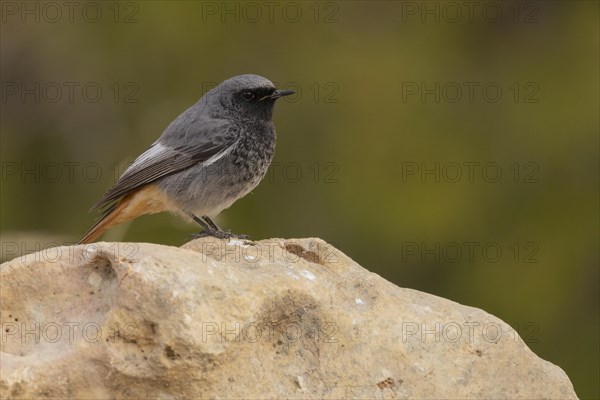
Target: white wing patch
x=217, y=156
x=153, y=152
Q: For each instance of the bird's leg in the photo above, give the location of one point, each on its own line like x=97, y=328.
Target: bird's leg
x=206, y=229
x=211, y=223
x=202, y=223
x=209, y=228
x=216, y=227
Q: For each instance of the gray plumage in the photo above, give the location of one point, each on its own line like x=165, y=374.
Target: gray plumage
x=212, y=154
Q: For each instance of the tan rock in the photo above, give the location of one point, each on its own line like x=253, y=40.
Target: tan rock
x=269, y=319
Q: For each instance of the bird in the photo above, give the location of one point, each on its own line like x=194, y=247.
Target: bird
x=211, y=155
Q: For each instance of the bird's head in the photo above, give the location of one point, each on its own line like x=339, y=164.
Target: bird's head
x=245, y=96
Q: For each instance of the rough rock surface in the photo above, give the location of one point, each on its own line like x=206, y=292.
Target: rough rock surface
x=232, y=319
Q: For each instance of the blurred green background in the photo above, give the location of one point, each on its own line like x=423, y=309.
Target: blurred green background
x=406, y=112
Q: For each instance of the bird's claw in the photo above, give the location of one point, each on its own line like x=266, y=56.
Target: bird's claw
x=218, y=234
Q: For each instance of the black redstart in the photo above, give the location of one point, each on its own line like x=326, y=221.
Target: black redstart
x=214, y=153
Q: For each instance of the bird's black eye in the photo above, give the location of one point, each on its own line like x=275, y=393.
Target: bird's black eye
x=248, y=96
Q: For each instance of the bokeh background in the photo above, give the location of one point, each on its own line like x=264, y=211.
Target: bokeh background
x=405, y=115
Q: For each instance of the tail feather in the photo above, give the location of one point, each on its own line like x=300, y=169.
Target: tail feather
x=147, y=200
x=104, y=222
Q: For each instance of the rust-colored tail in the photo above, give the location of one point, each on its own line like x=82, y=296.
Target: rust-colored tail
x=147, y=200
x=112, y=216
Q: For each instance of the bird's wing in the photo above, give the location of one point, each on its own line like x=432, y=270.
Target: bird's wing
x=159, y=161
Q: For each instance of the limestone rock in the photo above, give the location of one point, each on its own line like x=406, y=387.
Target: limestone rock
x=294, y=319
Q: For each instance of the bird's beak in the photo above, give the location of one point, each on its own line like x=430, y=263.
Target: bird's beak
x=279, y=93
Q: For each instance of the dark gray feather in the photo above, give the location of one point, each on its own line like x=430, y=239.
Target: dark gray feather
x=203, y=138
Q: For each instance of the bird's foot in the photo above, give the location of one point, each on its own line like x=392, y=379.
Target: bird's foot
x=240, y=236
x=219, y=234
x=212, y=229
